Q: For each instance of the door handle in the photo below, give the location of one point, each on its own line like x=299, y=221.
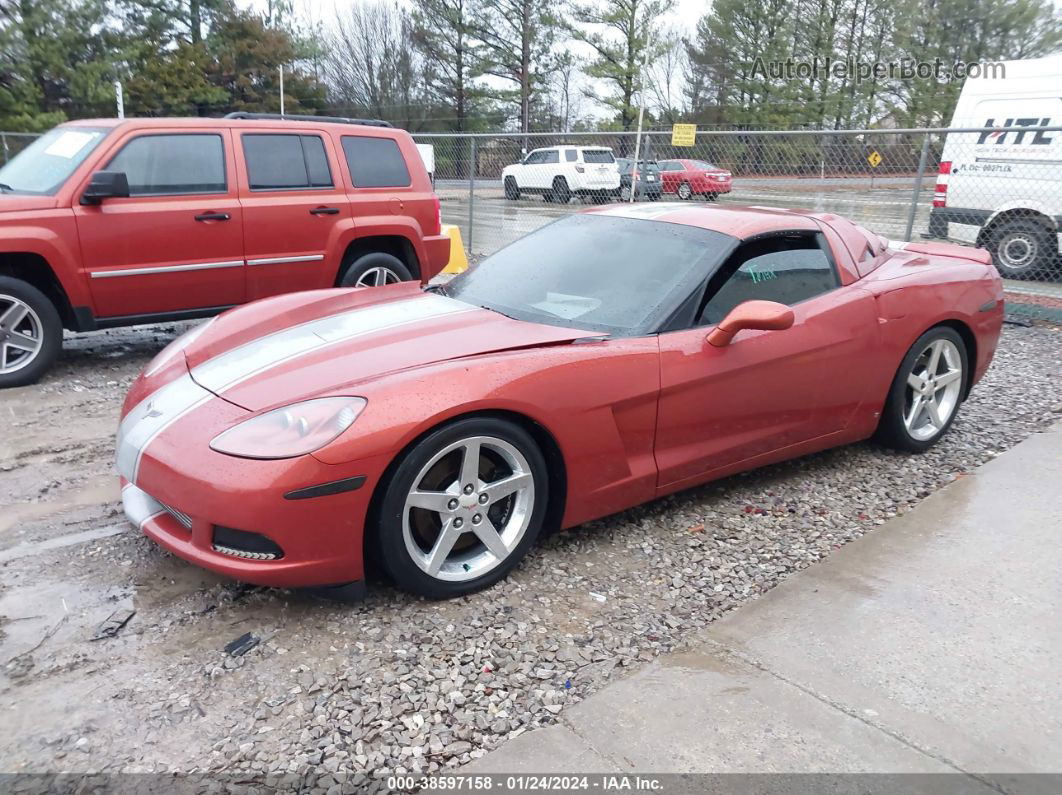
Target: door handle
x=213, y=217
x=324, y=211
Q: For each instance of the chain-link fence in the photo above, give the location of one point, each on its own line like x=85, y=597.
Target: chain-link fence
x=1000, y=189
x=997, y=188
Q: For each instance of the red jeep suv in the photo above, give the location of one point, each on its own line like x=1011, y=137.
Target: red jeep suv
x=115, y=222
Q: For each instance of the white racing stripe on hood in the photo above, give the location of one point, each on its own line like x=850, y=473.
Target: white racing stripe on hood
x=237, y=365
x=162, y=408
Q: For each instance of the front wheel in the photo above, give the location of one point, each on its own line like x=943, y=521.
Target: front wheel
x=375, y=270
x=31, y=333
x=512, y=190
x=462, y=508
x=926, y=393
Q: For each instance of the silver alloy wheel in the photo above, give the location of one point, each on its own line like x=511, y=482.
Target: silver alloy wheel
x=21, y=334
x=377, y=277
x=625, y=193
x=476, y=523
x=684, y=191
x=1018, y=250
x=933, y=389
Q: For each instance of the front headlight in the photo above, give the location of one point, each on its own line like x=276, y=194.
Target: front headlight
x=291, y=431
x=179, y=344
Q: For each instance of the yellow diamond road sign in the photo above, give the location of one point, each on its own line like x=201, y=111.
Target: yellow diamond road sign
x=683, y=134
x=874, y=159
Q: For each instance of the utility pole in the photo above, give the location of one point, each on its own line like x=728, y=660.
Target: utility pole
x=638, y=135
x=281, y=68
x=119, y=99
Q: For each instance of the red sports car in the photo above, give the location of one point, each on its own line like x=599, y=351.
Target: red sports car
x=604, y=360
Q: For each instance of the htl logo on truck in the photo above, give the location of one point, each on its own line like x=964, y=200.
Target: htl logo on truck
x=1019, y=127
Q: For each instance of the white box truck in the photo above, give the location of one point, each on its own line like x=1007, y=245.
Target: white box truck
x=1002, y=190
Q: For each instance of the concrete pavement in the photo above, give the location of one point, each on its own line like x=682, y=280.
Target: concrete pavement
x=931, y=645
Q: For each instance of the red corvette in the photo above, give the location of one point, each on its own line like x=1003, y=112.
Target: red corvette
x=609, y=358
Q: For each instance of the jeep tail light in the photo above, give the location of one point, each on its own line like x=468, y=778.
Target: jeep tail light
x=940, y=193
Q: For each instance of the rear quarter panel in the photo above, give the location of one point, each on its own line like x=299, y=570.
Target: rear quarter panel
x=917, y=291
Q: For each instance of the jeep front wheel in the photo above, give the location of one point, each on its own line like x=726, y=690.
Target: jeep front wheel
x=31, y=334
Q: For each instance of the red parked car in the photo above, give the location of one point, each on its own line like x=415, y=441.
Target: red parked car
x=115, y=222
x=689, y=178
x=609, y=358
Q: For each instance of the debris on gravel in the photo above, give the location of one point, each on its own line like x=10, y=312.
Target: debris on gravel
x=337, y=698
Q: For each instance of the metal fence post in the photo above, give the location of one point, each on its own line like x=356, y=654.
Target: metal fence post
x=3, y=139
x=916, y=193
x=471, y=189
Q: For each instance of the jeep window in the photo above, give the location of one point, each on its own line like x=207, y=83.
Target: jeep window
x=375, y=162
x=44, y=165
x=551, y=156
x=598, y=156
x=278, y=161
x=570, y=155
x=172, y=163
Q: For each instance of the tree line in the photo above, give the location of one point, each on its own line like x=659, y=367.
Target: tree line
x=482, y=65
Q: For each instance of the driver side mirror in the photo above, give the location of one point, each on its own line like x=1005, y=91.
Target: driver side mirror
x=106, y=185
x=762, y=315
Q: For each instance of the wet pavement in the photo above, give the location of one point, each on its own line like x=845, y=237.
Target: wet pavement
x=931, y=645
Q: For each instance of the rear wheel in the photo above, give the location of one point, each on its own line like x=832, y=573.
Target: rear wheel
x=512, y=190
x=1023, y=249
x=31, y=333
x=926, y=393
x=462, y=508
x=375, y=270
x=685, y=191
x=562, y=194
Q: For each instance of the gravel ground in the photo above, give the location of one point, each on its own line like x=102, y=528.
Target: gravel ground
x=336, y=698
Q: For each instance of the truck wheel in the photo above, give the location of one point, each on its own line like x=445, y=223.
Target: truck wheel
x=562, y=194
x=1022, y=249
x=31, y=334
x=512, y=190
x=375, y=270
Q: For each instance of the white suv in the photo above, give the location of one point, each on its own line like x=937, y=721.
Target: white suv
x=559, y=172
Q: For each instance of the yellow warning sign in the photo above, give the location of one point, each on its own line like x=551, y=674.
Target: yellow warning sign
x=683, y=134
x=874, y=159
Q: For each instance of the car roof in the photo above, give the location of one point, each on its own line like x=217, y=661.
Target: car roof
x=735, y=220
x=206, y=122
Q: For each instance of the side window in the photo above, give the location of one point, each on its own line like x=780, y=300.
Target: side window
x=787, y=269
x=157, y=165
x=551, y=156
x=571, y=155
x=534, y=158
x=375, y=162
x=278, y=161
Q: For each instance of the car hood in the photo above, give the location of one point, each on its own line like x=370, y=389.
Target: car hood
x=297, y=346
x=17, y=202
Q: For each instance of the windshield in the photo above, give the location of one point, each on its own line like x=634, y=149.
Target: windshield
x=620, y=275
x=44, y=165
x=624, y=165
x=598, y=156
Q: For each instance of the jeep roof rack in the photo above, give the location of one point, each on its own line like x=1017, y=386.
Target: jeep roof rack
x=240, y=114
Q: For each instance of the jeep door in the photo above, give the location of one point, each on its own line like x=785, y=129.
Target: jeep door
x=175, y=244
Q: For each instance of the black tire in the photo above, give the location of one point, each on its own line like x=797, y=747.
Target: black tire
x=390, y=541
x=625, y=193
x=1023, y=249
x=41, y=322
x=512, y=190
x=377, y=261
x=684, y=191
x=562, y=194
x=892, y=430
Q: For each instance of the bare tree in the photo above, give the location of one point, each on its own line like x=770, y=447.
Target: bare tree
x=372, y=70
x=665, y=79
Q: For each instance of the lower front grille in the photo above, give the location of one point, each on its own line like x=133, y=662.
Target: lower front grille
x=180, y=516
x=241, y=544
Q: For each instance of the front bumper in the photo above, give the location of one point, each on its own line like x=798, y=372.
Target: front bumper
x=179, y=492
